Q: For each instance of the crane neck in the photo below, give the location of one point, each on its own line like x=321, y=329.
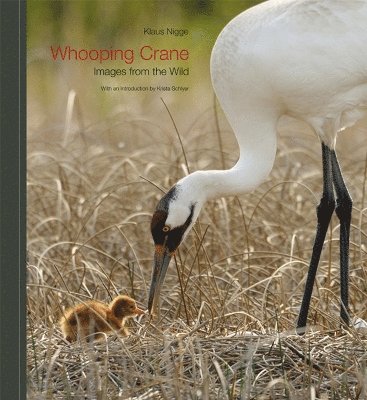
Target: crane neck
x=256, y=136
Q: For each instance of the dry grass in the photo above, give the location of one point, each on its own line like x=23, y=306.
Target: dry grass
x=91, y=192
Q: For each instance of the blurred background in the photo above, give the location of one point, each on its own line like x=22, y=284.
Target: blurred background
x=99, y=24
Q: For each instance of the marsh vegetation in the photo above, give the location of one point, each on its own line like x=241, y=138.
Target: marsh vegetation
x=231, y=296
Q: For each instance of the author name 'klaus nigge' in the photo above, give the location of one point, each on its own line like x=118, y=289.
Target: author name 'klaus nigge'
x=166, y=31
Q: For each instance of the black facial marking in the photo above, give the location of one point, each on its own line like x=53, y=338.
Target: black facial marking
x=172, y=238
x=165, y=200
x=156, y=226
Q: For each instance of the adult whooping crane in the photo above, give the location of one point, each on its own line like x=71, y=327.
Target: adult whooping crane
x=303, y=58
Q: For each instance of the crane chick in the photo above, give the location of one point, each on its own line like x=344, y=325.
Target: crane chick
x=91, y=319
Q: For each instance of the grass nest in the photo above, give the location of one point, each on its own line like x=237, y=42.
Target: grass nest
x=184, y=363
x=231, y=295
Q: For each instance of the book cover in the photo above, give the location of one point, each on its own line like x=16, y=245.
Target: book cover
x=120, y=106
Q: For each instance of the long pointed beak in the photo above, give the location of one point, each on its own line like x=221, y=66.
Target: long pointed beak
x=162, y=257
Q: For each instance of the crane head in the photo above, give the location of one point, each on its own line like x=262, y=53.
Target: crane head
x=173, y=218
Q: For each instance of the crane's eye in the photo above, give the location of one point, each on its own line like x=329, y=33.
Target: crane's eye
x=166, y=228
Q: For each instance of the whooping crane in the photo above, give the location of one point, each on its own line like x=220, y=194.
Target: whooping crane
x=90, y=319
x=303, y=58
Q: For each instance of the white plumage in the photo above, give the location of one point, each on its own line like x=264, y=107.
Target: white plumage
x=303, y=58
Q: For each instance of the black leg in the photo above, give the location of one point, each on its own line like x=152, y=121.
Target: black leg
x=324, y=212
x=344, y=212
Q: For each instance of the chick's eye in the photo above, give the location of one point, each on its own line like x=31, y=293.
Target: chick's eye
x=166, y=228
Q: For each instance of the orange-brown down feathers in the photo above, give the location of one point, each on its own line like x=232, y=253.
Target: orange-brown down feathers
x=91, y=319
